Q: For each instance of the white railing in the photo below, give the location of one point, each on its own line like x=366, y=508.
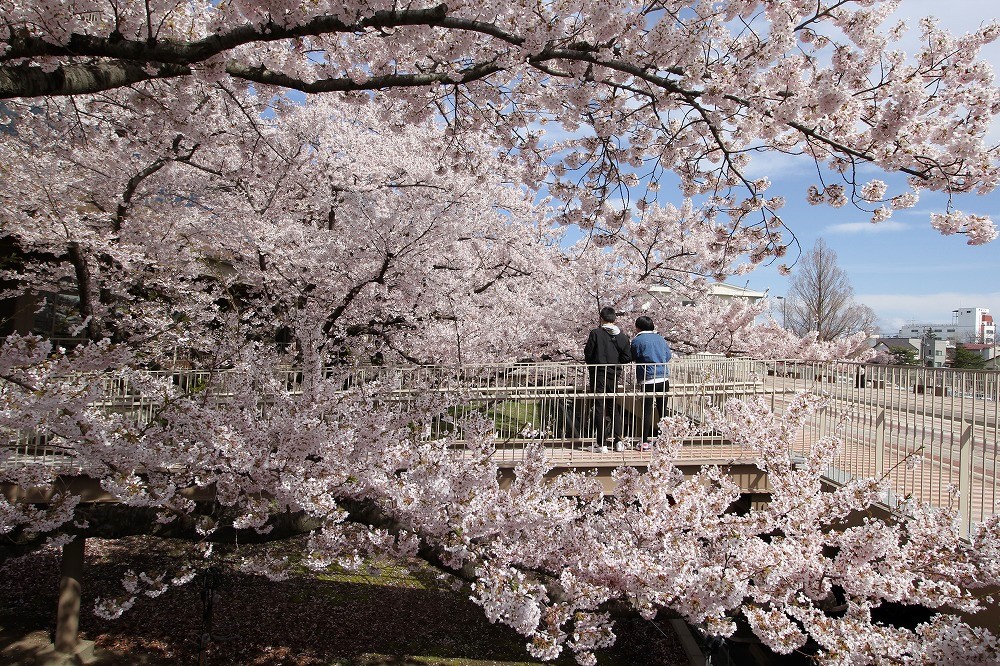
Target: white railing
x=528, y=402
x=932, y=432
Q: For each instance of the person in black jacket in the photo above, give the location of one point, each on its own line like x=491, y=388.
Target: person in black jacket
x=606, y=350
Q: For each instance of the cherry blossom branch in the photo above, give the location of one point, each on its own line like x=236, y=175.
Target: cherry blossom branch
x=116, y=46
x=260, y=74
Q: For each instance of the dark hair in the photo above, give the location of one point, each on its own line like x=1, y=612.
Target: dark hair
x=608, y=314
x=644, y=323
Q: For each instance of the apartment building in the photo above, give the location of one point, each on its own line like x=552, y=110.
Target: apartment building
x=973, y=325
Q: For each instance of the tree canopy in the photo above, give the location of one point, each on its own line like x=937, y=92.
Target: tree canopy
x=903, y=355
x=687, y=87
x=821, y=298
x=415, y=207
x=967, y=358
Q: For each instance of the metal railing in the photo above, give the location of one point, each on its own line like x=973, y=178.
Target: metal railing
x=527, y=402
x=932, y=433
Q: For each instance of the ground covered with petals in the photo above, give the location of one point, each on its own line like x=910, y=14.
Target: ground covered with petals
x=398, y=614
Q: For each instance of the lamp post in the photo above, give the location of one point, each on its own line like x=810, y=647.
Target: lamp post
x=782, y=299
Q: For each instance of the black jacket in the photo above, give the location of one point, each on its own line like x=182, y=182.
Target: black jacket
x=604, y=348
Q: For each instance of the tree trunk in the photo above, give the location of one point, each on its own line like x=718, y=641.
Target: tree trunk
x=84, y=284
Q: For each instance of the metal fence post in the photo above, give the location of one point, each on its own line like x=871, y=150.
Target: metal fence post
x=880, y=443
x=965, y=479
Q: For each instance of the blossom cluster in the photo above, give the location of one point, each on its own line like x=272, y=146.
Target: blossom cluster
x=548, y=555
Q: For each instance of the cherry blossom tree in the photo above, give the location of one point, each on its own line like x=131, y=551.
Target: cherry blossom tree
x=548, y=557
x=358, y=238
x=413, y=209
x=322, y=231
x=688, y=87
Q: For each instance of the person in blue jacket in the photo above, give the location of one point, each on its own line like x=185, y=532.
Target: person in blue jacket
x=651, y=354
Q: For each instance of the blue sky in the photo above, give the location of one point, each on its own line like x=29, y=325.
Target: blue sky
x=905, y=270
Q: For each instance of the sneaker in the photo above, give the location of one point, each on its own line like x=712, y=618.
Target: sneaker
x=598, y=448
x=619, y=446
x=645, y=446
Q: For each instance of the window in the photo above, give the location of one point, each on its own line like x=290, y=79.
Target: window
x=59, y=318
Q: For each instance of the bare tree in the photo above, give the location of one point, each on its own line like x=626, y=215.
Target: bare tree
x=821, y=298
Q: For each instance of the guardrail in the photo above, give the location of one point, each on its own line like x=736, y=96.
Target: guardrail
x=553, y=402
x=932, y=432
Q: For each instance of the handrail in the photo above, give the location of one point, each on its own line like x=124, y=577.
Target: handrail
x=933, y=432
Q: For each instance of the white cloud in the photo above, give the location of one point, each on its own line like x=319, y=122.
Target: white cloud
x=926, y=213
x=918, y=212
x=864, y=227
x=618, y=203
x=554, y=132
x=774, y=164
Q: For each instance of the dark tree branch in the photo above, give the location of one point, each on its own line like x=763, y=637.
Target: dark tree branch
x=353, y=292
x=116, y=47
x=264, y=76
x=31, y=81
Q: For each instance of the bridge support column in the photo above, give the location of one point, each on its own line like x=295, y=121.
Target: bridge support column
x=68, y=648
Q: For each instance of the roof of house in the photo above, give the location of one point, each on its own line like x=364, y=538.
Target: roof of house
x=723, y=290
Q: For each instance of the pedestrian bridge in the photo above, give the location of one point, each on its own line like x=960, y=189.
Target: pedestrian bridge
x=932, y=432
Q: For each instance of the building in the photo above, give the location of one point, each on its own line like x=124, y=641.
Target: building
x=968, y=325
x=932, y=352
x=719, y=290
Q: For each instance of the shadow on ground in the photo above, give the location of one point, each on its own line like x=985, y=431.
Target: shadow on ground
x=391, y=616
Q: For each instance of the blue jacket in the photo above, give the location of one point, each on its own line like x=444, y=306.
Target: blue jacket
x=650, y=348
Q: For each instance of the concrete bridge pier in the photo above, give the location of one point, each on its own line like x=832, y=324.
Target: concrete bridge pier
x=68, y=649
